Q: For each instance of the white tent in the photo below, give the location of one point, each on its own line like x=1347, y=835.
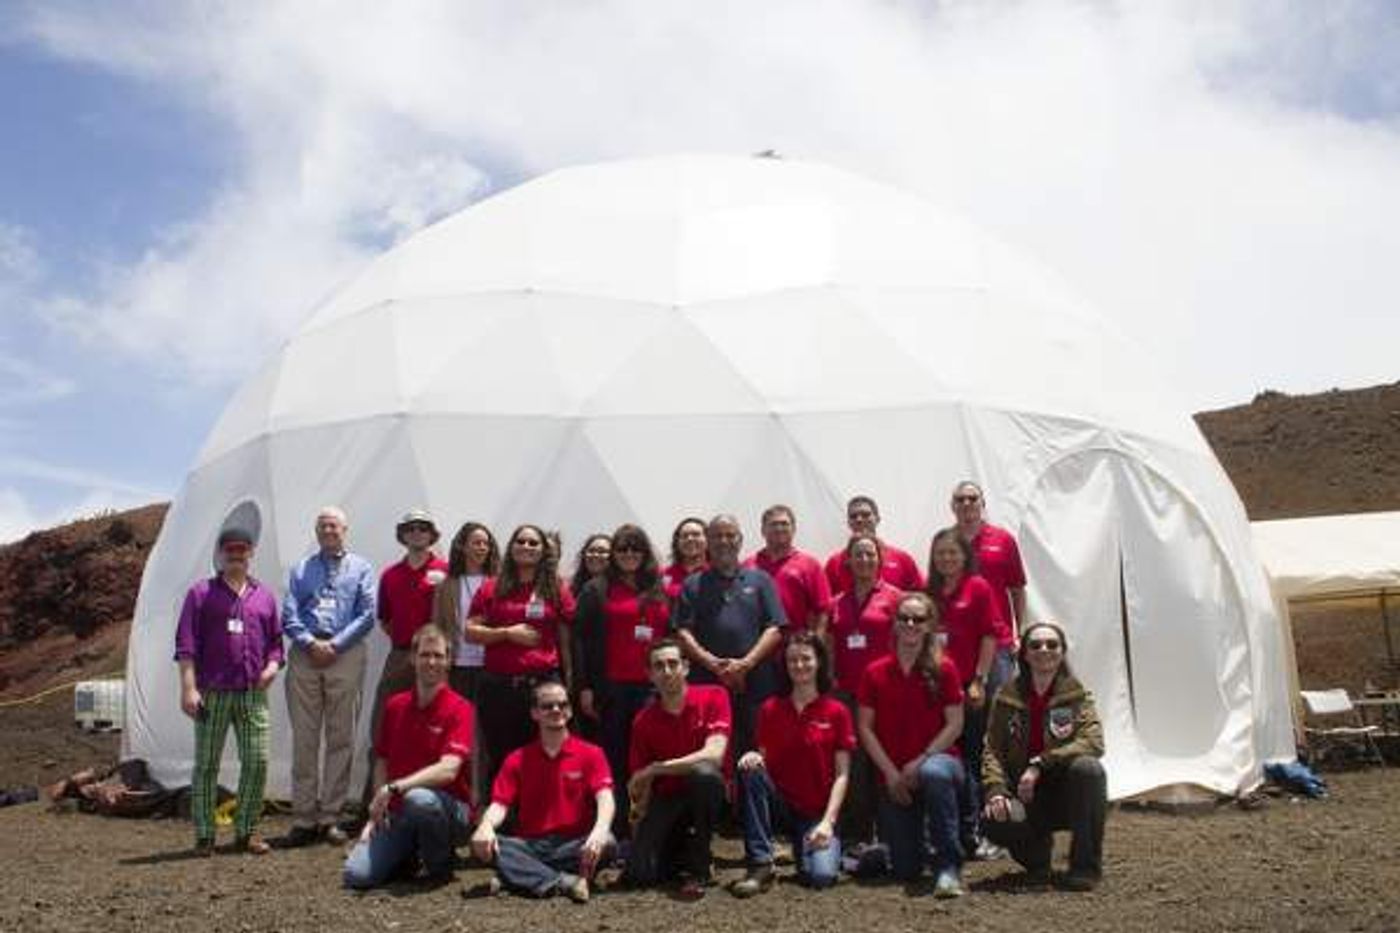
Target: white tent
x=644, y=340
x=1331, y=555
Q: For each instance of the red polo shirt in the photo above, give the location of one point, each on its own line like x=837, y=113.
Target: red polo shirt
x=660, y=736
x=630, y=625
x=799, y=748
x=999, y=563
x=1036, y=705
x=553, y=796
x=675, y=576
x=968, y=614
x=498, y=611
x=862, y=631
x=411, y=738
x=897, y=568
x=802, y=585
x=406, y=597
x=906, y=717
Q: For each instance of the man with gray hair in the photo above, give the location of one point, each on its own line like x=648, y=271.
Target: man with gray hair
x=729, y=619
x=328, y=611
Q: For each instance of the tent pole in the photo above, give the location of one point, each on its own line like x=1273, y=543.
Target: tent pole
x=1385, y=624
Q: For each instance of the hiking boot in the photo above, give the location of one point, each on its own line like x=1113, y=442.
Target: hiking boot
x=756, y=880
x=947, y=884
x=203, y=848
x=252, y=844
x=988, y=851
x=1080, y=879
x=300, y=835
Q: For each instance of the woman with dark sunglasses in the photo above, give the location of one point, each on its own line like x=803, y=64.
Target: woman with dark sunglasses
x=521, y=617
x=1041, y=769
x=621, y=613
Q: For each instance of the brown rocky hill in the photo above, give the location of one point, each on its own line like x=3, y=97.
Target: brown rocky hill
x=1326, y=454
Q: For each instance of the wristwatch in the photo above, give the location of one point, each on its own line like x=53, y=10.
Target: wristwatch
x=393, y=788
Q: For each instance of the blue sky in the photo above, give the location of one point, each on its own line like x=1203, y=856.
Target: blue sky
x=180, y=183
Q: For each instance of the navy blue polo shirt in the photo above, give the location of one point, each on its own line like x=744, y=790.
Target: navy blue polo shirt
x=727, y=614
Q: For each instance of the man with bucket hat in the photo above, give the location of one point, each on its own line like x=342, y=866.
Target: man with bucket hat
x=404, y=605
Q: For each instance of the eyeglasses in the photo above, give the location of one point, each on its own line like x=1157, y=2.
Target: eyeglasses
x=597, y=552
x=551, y=706
x=906, y=619
x=628, y=548
x=236, y=549
x=1043, y=644
x=966, y=499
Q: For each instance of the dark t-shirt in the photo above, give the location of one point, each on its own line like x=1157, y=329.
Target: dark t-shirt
x=727, y=614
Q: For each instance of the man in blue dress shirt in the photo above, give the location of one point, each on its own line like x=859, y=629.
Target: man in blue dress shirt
x=327, y=612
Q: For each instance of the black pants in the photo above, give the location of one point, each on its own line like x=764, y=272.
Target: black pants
x=621, y=704
x=857, y=820
x=503, y=710
x=1073, y=798
x=674, y=836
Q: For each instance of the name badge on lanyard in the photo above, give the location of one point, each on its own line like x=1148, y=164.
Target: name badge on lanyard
x=534, y=609
x=642, y=632
x=235, y=626
x=856, y=642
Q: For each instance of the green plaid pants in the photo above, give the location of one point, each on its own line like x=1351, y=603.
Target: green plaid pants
x=246, y=711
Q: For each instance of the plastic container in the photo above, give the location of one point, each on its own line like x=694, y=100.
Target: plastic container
x=100, y=705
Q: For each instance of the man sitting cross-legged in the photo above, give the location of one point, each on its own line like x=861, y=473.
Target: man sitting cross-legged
x=421, y=807
x=560, y=788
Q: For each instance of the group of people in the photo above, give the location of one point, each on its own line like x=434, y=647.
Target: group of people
x=857, y=706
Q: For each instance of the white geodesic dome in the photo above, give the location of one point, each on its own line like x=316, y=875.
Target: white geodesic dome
x=642, y=340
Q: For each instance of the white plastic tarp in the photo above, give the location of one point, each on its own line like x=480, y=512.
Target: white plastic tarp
x=1331, y=554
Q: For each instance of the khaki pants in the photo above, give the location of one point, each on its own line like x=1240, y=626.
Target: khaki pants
x=323, y=700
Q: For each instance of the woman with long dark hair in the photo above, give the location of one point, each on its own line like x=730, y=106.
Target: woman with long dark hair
x=472, y=559
x=910, y=718
x=795, y=780
x=1041, y=771
x=520, y=616
x=621, y=613
x=969, y=612
x=590, y=562
x=690, y=553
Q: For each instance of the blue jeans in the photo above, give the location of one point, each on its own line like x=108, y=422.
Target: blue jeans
x=931, y=818
x=541, y=866
x=973, y=736
x=765, y=808
x=430, y=825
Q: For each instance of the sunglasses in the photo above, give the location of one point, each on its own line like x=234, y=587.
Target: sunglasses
x=910, y=620
x=628, y=548
x=551, y=706
x=1043, y=644
x=418, y=526
x=236, y=549
x=527, y=542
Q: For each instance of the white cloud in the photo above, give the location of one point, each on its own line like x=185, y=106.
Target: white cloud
x=1221, y=177
x=18, y=516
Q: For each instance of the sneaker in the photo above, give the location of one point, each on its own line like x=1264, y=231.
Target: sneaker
x=203, y=848
x=577, y=890
x=252, y=844
x=690, y=889
x=947, y=884
x=756, y=880
x=335, y=835
x=1080, y=879
x=489, y=888
x=988, y=851
x=298, y=836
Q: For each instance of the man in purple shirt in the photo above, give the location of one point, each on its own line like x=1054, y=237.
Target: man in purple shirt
x=229, y=648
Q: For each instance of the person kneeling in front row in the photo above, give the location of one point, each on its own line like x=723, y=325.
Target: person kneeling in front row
x=1041, y=768
x=561, y=789
x=677, y=787
x=421, y=809
x=797, y=777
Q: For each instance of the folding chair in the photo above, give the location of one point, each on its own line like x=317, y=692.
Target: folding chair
x=1352, y=732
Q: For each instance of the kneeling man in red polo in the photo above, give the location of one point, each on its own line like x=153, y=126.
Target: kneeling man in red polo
x=561, y=790
x=677, y=787
x=421, y=808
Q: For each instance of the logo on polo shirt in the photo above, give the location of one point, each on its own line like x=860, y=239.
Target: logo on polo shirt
x=434, y=730
x=572, y=775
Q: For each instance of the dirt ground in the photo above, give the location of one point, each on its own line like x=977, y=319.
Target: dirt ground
x=1289, y=865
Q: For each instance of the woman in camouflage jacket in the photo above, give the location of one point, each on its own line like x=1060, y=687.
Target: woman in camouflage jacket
x=1040, y=766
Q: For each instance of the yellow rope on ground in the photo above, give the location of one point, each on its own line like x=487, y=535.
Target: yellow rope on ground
x=72, y=683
